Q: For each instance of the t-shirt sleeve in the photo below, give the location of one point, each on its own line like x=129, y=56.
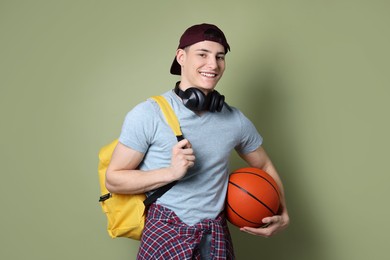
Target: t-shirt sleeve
x=250, y=138
x=137, y=129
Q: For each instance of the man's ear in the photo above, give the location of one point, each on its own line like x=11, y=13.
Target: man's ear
x=180, y=56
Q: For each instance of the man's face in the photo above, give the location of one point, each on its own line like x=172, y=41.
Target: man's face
x=202, y=65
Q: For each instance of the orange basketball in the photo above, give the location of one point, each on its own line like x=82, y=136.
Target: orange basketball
x=251, y=196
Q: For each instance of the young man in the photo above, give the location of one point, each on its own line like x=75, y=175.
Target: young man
x=187, y=222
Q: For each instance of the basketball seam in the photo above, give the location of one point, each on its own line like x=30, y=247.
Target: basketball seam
x=250, y=194
x=242, y=216
x=277, y=192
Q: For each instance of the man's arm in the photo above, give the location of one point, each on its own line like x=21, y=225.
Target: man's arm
x=123, y=177
x=260, y=159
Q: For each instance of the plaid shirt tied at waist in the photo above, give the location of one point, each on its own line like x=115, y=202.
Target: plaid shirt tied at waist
x=166, y=237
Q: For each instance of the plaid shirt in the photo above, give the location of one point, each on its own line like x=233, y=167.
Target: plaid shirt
x=166, y=237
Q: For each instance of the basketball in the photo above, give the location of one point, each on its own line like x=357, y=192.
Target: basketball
x=252, y=195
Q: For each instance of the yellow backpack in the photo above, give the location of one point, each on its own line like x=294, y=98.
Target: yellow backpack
x=126, y=212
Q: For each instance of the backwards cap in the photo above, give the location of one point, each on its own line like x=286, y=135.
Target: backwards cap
x=199, y=33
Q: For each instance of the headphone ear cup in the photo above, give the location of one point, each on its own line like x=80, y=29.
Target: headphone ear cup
x=216, y=101
x=194, y=99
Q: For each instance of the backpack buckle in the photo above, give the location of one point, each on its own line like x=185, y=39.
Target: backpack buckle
x=104, y=197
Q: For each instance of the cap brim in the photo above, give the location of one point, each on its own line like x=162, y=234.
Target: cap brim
x=175, y=68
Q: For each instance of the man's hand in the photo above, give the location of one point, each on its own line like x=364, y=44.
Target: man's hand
x=183, y=158
x=272, y=226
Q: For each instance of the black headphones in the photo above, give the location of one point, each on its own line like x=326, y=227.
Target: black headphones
x=196, y=100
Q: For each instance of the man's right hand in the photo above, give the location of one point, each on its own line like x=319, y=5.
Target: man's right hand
x=183, y=158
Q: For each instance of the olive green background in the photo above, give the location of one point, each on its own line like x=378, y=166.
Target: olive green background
x=312, y=75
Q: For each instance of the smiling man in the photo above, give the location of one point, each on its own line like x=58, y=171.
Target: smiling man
x=187, y=222
x=202, y=65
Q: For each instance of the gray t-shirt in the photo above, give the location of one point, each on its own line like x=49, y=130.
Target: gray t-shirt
x=201, y=193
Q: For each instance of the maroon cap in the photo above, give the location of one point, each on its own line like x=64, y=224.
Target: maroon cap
x=199, y=33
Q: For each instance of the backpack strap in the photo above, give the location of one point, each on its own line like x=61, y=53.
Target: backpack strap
x=170, y=116
x=173, y=122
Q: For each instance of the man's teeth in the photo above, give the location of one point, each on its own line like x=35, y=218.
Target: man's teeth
x=210, y=75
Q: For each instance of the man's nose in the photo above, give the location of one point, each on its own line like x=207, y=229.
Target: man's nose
x=212, y=62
